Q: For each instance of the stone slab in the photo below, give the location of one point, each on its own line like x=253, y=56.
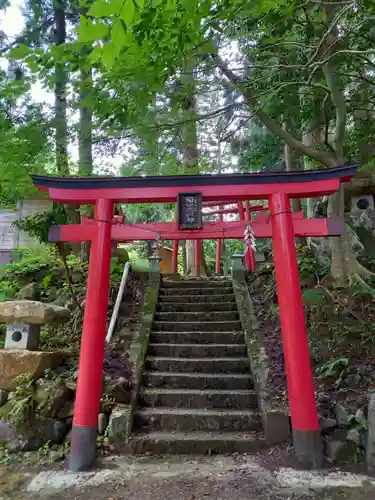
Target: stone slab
x=14, y=362
x=32, y=313
x=193, y=380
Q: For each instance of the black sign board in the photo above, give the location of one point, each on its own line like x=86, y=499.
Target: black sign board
x=189, y=211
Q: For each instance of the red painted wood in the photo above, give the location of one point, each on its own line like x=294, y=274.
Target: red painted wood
x=175, y=256
x=90, y=373
x=303, y=409
x=210, y=193
x=211, y=230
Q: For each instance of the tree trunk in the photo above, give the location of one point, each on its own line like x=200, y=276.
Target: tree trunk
x=344, y=263
x=85, y=138
x=61, y=124
x=290, y=165
x=61, y=81
x=190, y=156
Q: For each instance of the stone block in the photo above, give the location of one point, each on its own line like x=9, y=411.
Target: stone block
x=327, y=425
x=342, y=415
x=340, y=452
x=4, y=395
x=276, y=425
x=30, y=292
x=16, y=362
x=22, y=336
x=42, y=431
x=103, y=420
x=119, y=390
x=51, y=397
x=32, y=313
x=120, y=423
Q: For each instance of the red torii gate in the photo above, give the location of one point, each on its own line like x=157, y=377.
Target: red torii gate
x=245, y=214
x=280, y=224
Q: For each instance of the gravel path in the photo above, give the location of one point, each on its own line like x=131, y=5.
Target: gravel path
x=182, y=478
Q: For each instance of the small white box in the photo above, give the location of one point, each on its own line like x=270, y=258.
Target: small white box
x=361, y=203
x=22, y=336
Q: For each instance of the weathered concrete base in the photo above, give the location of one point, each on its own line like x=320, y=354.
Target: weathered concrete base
x=308, y=448
x=82, y=452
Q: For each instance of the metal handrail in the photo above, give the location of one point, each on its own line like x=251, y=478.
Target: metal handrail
x=120, y=295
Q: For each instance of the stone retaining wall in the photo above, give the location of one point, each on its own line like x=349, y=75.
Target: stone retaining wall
x=275, y=419
x=122, y=417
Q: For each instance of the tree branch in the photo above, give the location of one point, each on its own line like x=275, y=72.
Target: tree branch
x=323, y=157
x=23, y=39
x=337, y=93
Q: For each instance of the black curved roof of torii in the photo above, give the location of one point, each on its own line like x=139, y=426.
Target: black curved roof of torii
x=345, y=171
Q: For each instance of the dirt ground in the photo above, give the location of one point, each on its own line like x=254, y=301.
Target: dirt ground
x=182, y=478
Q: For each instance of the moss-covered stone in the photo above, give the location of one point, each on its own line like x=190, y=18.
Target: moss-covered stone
x=139, y=345
x=276, y=421
x=120, y=423
x=51, y=396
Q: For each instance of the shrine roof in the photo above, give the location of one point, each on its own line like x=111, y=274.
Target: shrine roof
x=344, y=172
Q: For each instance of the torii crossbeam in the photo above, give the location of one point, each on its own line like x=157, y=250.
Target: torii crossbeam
x=281, y=225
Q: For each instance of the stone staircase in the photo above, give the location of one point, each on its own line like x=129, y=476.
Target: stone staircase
x=197, y=395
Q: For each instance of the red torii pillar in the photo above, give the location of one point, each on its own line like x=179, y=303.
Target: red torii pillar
x=219, y=245
x=305, y=422
x=248, y=251
x=89, y=383
x=175, y=256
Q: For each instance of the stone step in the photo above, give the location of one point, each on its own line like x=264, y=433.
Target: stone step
x=194, y=398
x=191, y=326
x=197, y=291
x=195, y=443
x=191, y=283
x=200, y=365
x=197, y=337
x=197, y=350
x=196, y=307
x=195, y=316
x=185, y=420
x=198, y=380
x=196, y=299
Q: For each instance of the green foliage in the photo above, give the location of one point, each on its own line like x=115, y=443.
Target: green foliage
x=308, y=263
x=8, y=289
x=39, y=225
x=333, y=368
x=314, y=296
x=23, y=401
